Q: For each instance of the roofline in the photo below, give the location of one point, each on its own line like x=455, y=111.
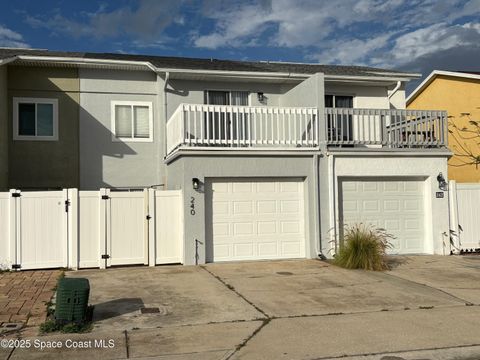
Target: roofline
x=256, y=74
x=401, y=77
x=7, y=60
x=432, y=76
x=80, y=61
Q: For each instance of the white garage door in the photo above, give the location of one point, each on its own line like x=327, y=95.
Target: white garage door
x=255, y=219
x=395, y=205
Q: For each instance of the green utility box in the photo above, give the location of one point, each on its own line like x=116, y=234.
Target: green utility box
x=72, y=300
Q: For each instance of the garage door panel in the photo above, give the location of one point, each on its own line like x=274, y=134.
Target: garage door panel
x=265, y=187
x=397, y=206
x=291, y=248
x=269, y=248
x=242, y=207
x=266, y=228
x=257, y=219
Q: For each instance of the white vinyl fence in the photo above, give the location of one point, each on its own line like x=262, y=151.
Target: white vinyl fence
x=84, y=229
x=465, y=215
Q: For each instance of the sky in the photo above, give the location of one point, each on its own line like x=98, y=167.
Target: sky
x=410, y=35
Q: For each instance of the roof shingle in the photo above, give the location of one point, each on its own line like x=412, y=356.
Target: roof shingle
x=213, y=64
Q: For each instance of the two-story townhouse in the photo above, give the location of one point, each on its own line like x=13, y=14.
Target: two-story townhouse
x=273, y=158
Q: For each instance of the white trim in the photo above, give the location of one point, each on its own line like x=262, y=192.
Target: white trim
x=432, y=76
x=80, y=61
x=36, y=101
x=7, y=60
x=148, y=104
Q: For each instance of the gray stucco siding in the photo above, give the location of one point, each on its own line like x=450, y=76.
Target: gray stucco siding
x=103, y=161
x=182, y=170
x=369, y=97
x=192, y=92
x=108, y=163
x=114, y=81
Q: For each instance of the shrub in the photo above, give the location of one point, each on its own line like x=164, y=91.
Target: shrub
x=364, y=247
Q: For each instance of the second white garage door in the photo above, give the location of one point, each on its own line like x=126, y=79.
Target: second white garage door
x=255, y=219
x=395, y=205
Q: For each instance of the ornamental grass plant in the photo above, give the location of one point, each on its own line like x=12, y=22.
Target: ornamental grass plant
x=364, y=247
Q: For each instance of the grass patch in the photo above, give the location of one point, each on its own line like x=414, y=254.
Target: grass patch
x=50, y=326
x=364, y=247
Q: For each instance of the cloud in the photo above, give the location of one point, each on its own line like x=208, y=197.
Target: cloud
x=383, y=33
x=433, y=39
x=353, y=51
x=10, y=38
x=236, y=25
x=146, y=21
x=329, y=27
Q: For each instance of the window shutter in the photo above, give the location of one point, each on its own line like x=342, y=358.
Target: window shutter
x=141, y=122
x=123, y=121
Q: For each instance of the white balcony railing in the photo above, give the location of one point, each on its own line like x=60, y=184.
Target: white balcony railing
x=197, y=126
x=242, y=127
x=386, y=128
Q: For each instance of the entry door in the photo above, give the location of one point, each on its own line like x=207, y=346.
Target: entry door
x=255, y=219
x=340, y=127
x=225, y=125
x=397, y=205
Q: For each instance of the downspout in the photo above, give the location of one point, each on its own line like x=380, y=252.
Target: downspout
x=167, y=77
x=395, y=89
x=318, y=249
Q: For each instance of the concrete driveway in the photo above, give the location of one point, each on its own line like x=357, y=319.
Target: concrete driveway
x=427, y=307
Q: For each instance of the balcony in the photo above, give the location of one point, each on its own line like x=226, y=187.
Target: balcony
x=243, y=128
x=386, y=128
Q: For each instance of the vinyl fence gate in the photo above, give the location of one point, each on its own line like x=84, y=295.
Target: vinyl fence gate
x=465, y=215
x=86, y=229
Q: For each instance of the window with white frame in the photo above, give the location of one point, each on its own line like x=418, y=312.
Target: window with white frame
x=35, y=119
x=132, y=121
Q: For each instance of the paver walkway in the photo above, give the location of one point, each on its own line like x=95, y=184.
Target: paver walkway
x=23, y=295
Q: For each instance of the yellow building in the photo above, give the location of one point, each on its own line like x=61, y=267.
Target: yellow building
x=459, y=94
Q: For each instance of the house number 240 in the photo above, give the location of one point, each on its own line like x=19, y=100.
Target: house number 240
x=192, y=205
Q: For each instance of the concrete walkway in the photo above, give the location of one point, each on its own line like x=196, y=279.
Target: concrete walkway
x=427, y=307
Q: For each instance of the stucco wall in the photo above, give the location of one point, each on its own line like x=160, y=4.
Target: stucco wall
x=3, y=129
x=189, y=91
x=368, y=97
x=309, y=93
x=108, y=163
x=182, y=170
x=385, y=166
x=456, y=96
x=45, y=164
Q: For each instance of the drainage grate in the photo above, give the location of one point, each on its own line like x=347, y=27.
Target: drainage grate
x=151, y=310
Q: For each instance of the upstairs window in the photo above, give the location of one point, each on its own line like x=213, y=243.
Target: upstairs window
x=132, y=121
x=35, y=119
x=338, y=101
x=215, y=97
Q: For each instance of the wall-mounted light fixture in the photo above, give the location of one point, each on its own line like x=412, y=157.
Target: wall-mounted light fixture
x=260, y=96
x=442, y=183
x=195, y=183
